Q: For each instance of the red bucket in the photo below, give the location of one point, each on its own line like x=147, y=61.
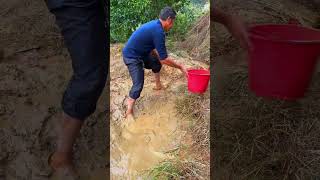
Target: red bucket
x=282, y=60
x=198, y=80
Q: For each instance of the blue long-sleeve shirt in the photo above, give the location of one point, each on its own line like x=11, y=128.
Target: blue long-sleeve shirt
x=147, y=37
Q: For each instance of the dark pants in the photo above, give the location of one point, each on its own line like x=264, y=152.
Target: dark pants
x=136, y=70
x=85, y=36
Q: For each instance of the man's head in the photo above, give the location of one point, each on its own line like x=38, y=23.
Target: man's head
x=167, y=17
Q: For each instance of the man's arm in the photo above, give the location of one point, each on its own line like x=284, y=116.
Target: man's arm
x=234, y=25
x=167, y=61
x=161, y=52
x=170, y=62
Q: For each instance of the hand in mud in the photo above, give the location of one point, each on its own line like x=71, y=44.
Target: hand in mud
x=184, y=70
x=239, y=30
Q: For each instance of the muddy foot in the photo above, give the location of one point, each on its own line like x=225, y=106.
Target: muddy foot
x=62, y=171
x=161, y=87
x=129, y=118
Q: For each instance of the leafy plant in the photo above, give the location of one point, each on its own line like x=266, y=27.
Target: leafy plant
x=186, y=17
x=127, y=15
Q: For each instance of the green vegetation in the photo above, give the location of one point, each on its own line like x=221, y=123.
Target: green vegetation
x=127, y=15
x=165, y=170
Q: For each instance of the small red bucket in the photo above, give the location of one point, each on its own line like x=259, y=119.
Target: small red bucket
x=282, y=60
x=198, y=80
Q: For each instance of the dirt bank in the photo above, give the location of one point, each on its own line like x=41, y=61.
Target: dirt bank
x=33, y=74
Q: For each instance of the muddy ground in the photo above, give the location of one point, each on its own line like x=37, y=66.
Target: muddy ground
x=138, y=146
x=257, y=138
x=34, y=71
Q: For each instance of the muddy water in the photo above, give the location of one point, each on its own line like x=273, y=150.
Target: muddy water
x=144, y=142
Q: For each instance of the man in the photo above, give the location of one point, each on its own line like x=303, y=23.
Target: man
x=82, y=23
x=146, y=49
x=234, y=25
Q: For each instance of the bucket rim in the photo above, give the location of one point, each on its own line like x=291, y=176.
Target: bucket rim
x=284, y=41
x=201, y=74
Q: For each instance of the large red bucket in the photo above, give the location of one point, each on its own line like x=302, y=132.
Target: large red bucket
x=282, y=60
x=198, y=80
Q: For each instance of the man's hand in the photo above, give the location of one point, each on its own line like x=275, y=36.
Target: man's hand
x=168, y=61
x=235, y=26
x=239, y=31
x=184, y=70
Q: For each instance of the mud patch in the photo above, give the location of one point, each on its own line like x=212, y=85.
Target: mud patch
x=146, y=140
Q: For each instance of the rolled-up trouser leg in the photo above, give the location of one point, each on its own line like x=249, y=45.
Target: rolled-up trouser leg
x=137, y=75
x=153, y=63
x=85, y=35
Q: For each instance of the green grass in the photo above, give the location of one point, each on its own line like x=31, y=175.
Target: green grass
x=165, y=171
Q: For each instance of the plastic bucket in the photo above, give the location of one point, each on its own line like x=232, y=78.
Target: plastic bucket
x=282, y=60
x=198, y=80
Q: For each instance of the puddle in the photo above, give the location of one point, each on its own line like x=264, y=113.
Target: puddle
x=143, y=143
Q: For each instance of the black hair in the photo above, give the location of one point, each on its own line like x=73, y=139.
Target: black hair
x=167, y=12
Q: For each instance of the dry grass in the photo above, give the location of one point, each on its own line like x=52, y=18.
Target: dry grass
x=177, y=169
x=197, y=43
x=192, y=158
x=196, y=109
x=266, y=139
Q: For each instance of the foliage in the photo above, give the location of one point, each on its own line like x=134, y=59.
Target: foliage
x=186, y=16
x=127, y=15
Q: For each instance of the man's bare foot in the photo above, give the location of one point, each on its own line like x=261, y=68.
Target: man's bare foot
x=63, y=167
x=160, y=87
x=129, y=118
x=129, y=113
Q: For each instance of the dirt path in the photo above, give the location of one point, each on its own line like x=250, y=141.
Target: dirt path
x=141, y=144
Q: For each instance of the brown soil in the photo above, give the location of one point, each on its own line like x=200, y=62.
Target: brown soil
x=34, y=70
x=199, y=35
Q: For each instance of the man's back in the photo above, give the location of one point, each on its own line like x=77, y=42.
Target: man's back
x=146, y=38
